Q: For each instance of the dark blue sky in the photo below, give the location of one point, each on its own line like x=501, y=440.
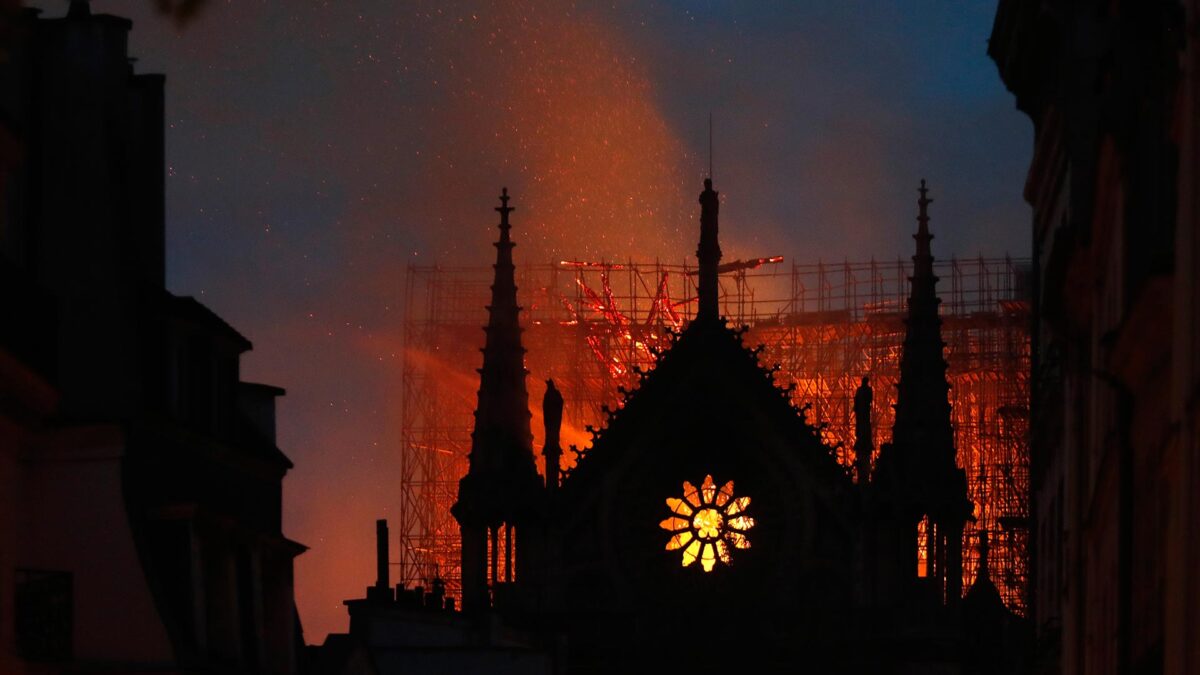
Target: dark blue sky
x=315, y=149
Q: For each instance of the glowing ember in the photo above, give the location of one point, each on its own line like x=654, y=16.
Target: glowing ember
x=556, y=101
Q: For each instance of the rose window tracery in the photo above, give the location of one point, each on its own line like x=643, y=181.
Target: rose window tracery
x=707, y=523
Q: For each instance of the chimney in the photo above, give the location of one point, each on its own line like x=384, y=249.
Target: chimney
x=381, y=554
x=382, y=590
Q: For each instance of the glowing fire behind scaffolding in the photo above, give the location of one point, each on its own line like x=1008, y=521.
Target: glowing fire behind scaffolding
x=591, y=325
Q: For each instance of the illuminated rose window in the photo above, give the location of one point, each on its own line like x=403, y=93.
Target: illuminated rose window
x=707, y=523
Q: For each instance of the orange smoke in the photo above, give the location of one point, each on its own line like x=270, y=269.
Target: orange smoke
x=823, y=345
x=553, y=103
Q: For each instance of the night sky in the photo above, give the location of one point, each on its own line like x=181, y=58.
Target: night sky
x=314, y=149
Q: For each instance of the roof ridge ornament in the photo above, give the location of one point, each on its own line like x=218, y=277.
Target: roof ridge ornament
x=709, y=254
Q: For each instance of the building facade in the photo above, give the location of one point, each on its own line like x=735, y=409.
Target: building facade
x=707, y=527
x=1112, y=90
x=140, y=483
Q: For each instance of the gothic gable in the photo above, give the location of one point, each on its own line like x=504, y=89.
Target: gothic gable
x=708, y=409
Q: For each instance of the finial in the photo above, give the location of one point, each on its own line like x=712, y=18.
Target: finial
x=923, y=203
x=710, y=150
x=922, y=236
x=708, y=254
x=983, y=556
x=504, y=209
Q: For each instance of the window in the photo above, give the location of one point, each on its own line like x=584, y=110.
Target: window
x=707, y=523
x=44, y=615
x=501, y=541
x=924, y=547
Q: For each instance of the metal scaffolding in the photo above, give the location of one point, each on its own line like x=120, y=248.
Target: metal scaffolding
x=590, y=325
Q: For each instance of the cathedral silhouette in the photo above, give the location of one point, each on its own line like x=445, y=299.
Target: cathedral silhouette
x=708, y=527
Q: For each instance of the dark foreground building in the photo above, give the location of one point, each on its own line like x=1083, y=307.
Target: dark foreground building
x=1113, y=90
x=140, y=484
x=707, y=528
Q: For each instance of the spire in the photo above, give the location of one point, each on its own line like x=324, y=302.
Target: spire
x=709, y=253
x=502, y=488
x=501, y=456
x=502, y=439
x=922, y=428
x=922, y=409
x=923, y=461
